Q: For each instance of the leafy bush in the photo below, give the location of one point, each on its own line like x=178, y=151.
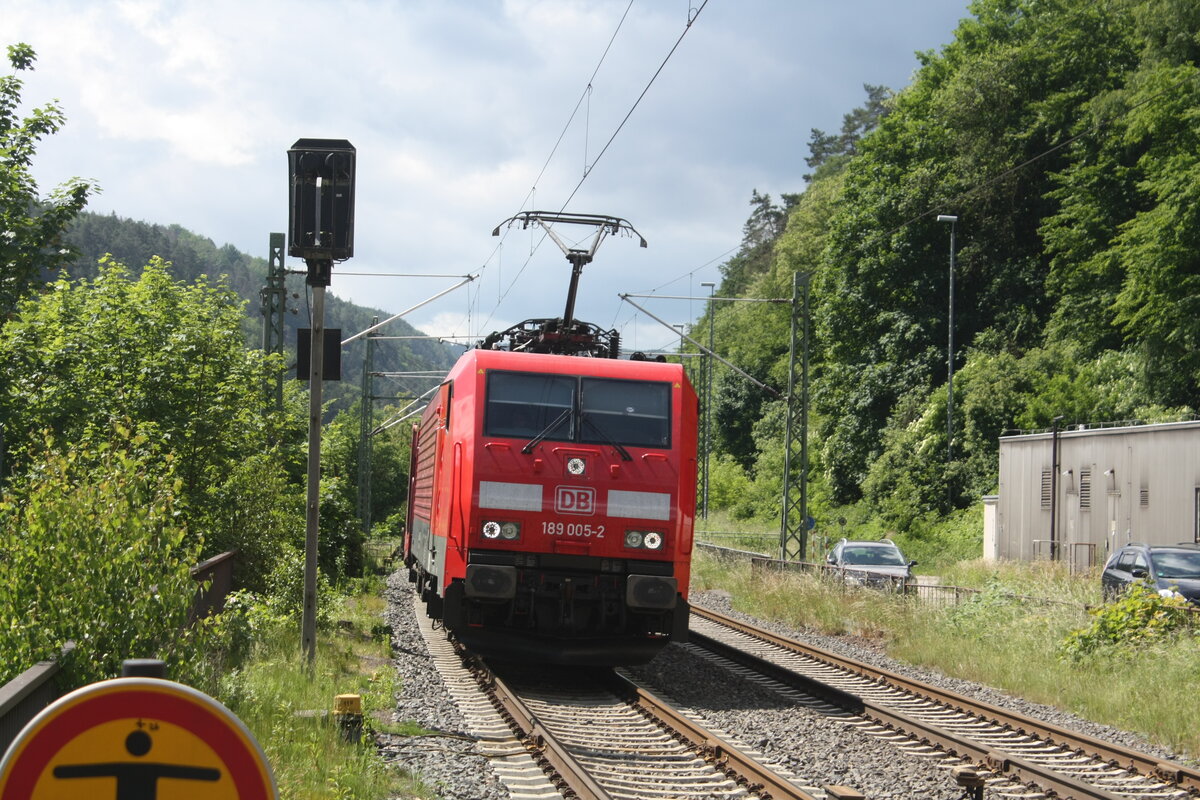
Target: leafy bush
x=1139, y=617
x=256, y=510
x=94, y=552
x=728, y=485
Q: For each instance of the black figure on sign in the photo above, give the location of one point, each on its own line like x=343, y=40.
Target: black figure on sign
x=137, y=780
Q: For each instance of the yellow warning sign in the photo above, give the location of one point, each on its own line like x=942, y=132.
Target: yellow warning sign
x=136, y=739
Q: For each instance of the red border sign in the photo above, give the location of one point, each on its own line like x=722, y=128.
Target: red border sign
x=24, y=773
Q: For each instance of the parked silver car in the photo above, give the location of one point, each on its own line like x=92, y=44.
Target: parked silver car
x=871, y=563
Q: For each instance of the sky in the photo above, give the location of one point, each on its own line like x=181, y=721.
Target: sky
x=464, y=113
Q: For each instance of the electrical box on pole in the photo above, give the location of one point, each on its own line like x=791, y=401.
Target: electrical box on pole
x=331, y=358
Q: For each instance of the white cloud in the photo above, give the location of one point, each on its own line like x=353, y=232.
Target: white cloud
x=184, y=110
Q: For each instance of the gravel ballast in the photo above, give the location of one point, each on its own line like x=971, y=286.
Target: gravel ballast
x=807, y=743
x=450, y=763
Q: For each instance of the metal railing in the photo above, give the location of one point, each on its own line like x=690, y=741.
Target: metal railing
x=215, y=577
x=938, y=595
x=22, y=698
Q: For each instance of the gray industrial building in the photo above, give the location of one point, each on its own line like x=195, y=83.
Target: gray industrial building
x=1076, y=494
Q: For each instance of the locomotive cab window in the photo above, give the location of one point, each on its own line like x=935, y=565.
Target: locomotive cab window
x=625, y=412
x=524, y=405
x=568, y=408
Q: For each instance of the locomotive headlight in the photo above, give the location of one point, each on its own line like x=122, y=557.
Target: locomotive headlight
x=491, y=530
x=510, y=530
x=644, y=540
x=575, y=466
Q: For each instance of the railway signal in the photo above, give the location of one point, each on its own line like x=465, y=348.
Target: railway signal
x=321, y=231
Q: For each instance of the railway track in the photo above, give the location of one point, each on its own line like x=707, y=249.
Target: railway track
x=1009, y=751
x=605, y=736
x=598, y=734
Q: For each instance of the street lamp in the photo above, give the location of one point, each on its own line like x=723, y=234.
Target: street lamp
x=321, y=231
x=953, y=220
x=708, y=361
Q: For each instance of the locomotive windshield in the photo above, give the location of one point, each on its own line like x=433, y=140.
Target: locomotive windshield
x=567, y=408
x=626, y=412
x=525, y=405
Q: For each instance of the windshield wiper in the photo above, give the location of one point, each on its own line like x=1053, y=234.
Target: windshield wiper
x=624, y=453
x=528, y=448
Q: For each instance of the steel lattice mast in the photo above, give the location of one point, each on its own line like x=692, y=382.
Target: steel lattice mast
x=794, y=524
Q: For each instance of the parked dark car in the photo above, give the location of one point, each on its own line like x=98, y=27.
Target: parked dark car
x=1172, y=569
x=871, y=563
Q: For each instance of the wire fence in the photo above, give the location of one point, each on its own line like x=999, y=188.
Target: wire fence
x=937, y=595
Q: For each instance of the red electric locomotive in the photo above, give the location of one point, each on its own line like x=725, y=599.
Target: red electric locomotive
x=553, y=498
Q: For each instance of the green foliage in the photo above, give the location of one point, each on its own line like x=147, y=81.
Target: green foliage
x=1064, y=137
x=1138, y=618
x=758, y=236
x=282, y=702
x=195, y=258
x=389, y=451
x=254, y=509
x=986, y=614
x=94, y=552
x=163, y=353
x=994, y=393
x=828, y=151
x=167, y=355
x=32, y=226
x=998, y=96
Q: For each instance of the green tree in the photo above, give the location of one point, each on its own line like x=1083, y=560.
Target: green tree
x=32, y=226
x=827, y=151
x=340, y=461
x=1125, y=268
x=170, y=358
x=95, y=553
x=978, y=134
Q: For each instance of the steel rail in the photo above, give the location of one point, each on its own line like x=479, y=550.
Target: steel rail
x=738, y=765
x=954, y=744
x=1183, y=776
x=575, y=777
x=538, y=737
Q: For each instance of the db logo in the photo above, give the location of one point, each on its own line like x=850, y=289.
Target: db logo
x=575, y=500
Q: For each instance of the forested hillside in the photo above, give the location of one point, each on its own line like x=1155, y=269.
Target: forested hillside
x=1064, y=136
x=134, y=243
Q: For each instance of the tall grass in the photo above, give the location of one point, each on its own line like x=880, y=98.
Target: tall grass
x=993, y=638
x=288, y=708
x=722, y=528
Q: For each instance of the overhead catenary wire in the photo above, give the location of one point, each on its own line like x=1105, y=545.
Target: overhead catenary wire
x=691, y=19
x=498, y=250
x=706, y=297
x=408, y=310
x=400, y=415
x=770, y=390
x=399, y=275
x=588, y=171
